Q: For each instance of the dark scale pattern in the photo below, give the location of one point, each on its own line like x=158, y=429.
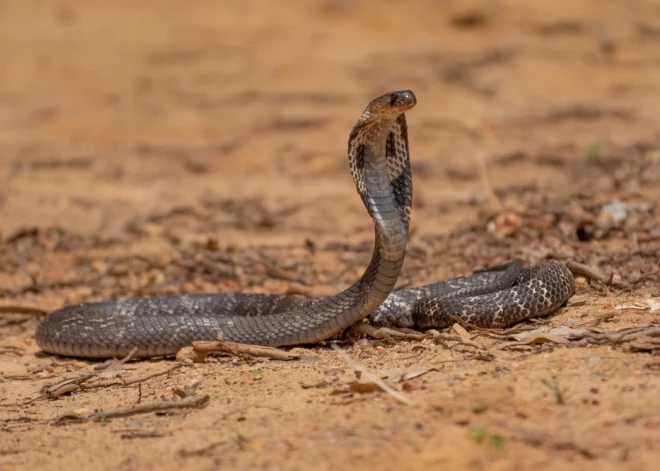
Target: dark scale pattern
x=378, y=156
x=399, y=169
x=357, y=168
x=489, y=299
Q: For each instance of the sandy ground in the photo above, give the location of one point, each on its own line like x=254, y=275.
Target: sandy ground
x=149, y=148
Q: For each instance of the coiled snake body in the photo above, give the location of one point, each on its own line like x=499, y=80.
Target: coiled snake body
x=378, y=156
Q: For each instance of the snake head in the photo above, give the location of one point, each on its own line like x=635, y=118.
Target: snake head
x=402, y=100
x=389, y=105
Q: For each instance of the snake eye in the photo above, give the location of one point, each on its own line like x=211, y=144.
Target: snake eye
x=393, y=99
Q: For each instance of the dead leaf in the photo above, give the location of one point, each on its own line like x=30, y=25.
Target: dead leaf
x=363, y=388
x=409, y=387
x=505, y=225
x=462, y=333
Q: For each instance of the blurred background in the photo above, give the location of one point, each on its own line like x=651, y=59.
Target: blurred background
x=224, y=124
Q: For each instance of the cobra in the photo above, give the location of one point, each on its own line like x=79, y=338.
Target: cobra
x=379, y=160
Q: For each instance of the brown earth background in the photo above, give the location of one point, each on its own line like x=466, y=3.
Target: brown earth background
x=160, y=147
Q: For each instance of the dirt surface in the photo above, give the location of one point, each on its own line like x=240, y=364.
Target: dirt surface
x=151, y=148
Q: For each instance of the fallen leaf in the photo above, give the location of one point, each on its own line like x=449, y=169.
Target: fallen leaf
x=464, y=335
x=460, y=330
x=505, y=225
x=363, y=388
x=653, y=305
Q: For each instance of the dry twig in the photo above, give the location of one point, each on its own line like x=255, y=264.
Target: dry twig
x=593, y=273
x=201, y=349
x=372, y=377
x=185, y=403
x=22, y=309
x=386, y=333
x=81, y=383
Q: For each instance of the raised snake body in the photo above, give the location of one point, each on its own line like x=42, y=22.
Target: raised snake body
x=378, y=156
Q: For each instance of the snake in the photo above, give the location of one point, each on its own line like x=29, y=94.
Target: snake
x=379, y=161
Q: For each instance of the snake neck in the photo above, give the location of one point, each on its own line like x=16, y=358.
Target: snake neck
x=379, y=182
x=381, y=202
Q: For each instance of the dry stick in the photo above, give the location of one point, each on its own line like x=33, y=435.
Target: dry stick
x=640, y=338
x=201, y=451
x=63, y=387
x=186, y=403
x=115, y=364
x=22, y=309
x=141, y=434
x=77, y=384
x=142, y=379
x=128, y=382
x=650, y=331
x=386, y=333
x=592, y=273
x=204, y=347
x=11, y=349
x=375, y=379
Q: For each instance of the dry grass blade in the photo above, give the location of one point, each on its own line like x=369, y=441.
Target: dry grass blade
x=555, y=389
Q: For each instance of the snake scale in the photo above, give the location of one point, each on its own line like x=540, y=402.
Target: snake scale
x=378, y=154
